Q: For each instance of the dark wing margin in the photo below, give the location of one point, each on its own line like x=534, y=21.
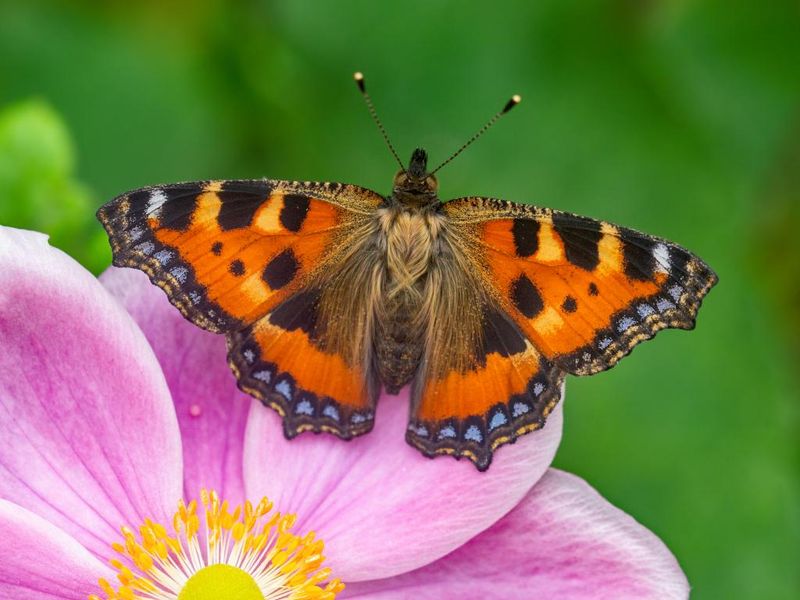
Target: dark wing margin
x=127, y=222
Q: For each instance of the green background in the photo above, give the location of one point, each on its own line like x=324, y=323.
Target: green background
x=679, y=118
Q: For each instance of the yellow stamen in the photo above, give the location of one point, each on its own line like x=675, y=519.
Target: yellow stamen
x=247, y=553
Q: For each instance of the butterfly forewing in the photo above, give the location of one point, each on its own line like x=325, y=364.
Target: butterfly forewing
x=584, y=292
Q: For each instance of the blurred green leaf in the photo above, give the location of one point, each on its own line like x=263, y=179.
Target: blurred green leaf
x=37, y=187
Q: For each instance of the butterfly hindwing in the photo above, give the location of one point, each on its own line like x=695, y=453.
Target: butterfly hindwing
x=246, y=258
x=584, y=292
x=509, y=390
x=281, y=360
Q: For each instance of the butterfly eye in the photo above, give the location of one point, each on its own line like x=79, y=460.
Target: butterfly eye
x=432, y=183
x=401, y=179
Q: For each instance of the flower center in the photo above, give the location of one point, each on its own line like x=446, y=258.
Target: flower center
x=248, y=553
x=221, y=581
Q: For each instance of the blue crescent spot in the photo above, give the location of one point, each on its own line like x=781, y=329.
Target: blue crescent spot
x=262, y=375
x=675, y=291
x=645, y=310
x=331, y=412
x=163, y=256
x=473, y=434
x=284, y=389
x=520, y=408
x=625, y=323
x=498, y=420
x=145, y=248
x=180, y=274
x=135, y=233
x=662, y=304
x=304, y=408
x=447, y=432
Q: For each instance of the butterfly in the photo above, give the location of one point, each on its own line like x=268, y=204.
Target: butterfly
x=328, y=293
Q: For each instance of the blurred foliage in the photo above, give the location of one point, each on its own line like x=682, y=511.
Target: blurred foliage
x=777, y=252
x=37, y=185
x=676, y=117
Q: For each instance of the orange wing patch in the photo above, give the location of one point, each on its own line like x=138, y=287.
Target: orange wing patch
x=258, y=260
x=281, y=360
x=510, y=391
x=585, y=292
x=560, y=306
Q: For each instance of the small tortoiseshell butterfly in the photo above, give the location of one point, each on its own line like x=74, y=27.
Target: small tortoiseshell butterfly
x=328, y=292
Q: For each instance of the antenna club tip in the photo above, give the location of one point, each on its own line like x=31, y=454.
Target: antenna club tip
x=359, y=77
x=512, y=102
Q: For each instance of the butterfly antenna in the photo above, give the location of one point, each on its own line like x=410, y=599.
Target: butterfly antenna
x=512, y=102
x=359, y=77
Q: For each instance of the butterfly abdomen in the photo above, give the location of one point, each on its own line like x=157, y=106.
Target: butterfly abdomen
x=409, y=237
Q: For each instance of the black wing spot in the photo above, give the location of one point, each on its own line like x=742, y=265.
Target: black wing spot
x=526, y=297
x=281, y=269
x=294, y=211
x=580, y=237
x=240, y=202
x=500, y=335
x=526, y=237
x=236, y=268
x=137, y=202
x=177, y=211
x=216, y=248
x=593, y=291
x=298, y=312
x=637, y=256
x=569, y=305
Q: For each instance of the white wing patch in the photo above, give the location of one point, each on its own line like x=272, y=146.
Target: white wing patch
x=661, y=255
x=155, y=202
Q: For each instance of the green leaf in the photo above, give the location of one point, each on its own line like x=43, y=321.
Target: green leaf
x=38, y=189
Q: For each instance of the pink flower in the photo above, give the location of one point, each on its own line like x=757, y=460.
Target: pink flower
x=113, y=409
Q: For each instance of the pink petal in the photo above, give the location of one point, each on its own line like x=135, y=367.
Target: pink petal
x=379, y=505
x=90, y=439
x=212, y=412
x=564, y=541
x=39, y=561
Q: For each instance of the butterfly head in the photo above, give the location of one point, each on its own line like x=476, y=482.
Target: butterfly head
x=415, y=186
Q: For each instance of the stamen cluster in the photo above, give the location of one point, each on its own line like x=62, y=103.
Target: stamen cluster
x=160, y=565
